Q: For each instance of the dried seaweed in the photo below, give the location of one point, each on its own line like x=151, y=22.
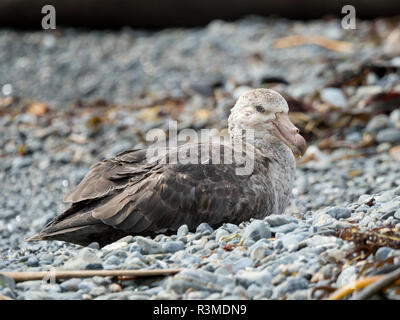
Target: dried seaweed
x=379, y=285
x=368, y=241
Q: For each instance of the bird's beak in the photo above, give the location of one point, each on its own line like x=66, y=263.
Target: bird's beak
x=289, y=134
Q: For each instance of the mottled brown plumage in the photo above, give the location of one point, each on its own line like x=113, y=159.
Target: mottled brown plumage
x=130, y=195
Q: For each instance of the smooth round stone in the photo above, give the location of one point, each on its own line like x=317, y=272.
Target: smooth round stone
x=173, y=246
x=113, y=260
x=204, y=228
x=286, y=228
x=260, y=278
x=347, y=277
x=383, y=253
x=98, y=291
x=290, y=285
x=377, y=123
x=390, y=207
x=395, y=117
x=32, y=262
x=339, y=213
x=149, y=246
x=94, y=266
x=221, y=232
x=276, y=220
x=354, y=136
x=259, y=253
x=253, y=290
x=334, y=96
x=135, y=248
x=46, y=259
x=231, y=228
x=388, y=135
x=94, y=245
x=385, y=196
x=7, y=292
x=256, y=230
x=120, y=254
x=85, y=256
x=182, y=231
x=7, y=282
x=86, y=285
x=71, y=284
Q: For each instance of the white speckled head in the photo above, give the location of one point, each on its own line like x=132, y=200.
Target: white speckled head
x=271, y=100
x=255, y=108
x=266, y=112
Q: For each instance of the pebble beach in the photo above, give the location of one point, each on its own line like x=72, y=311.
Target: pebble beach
x=71, y=97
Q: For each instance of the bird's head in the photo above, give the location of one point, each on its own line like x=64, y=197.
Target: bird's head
x=265, y=112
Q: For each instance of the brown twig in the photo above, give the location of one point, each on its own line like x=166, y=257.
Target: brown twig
x=299, y=40
x=67, y=274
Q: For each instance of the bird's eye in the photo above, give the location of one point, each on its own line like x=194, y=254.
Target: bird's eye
x=260, y=109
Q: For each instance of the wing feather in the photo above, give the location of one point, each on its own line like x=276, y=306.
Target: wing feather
x=130, y=195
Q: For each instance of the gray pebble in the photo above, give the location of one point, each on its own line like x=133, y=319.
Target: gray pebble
x=32, y=262
x=347, y=277
x=172, y=246
x=236, y=265
x=290, y=285
x=85, y=257
x=260, y=278
x=231, y=228
x=395, y=117
x=383, y=253
x=377, y=123
x=113, y=260
x=149, y=246
x=221, y=232
x=385, y=196
x=94, y=245
x=256, y=230
x=6, y=282
x=98, y=291
x=286, y=228
x=397, y=214
x=71, y=284
x=182, y=231
x=339, y=213
x=253, y=290
x=291, y=241
x=388, y=135
x=94, y=266
x=46, y=258
x=276, y=220
x=197, y=280
x=204, y=228
x=334, y=96
x=259, y=253
x=265, y=293
x=86, y=285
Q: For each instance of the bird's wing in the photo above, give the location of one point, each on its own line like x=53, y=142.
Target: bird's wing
x=176, y=194
x=106, y=176
x=129, y=194
x=179, y=194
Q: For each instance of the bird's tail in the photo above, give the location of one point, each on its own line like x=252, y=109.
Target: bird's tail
x=36, y=237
